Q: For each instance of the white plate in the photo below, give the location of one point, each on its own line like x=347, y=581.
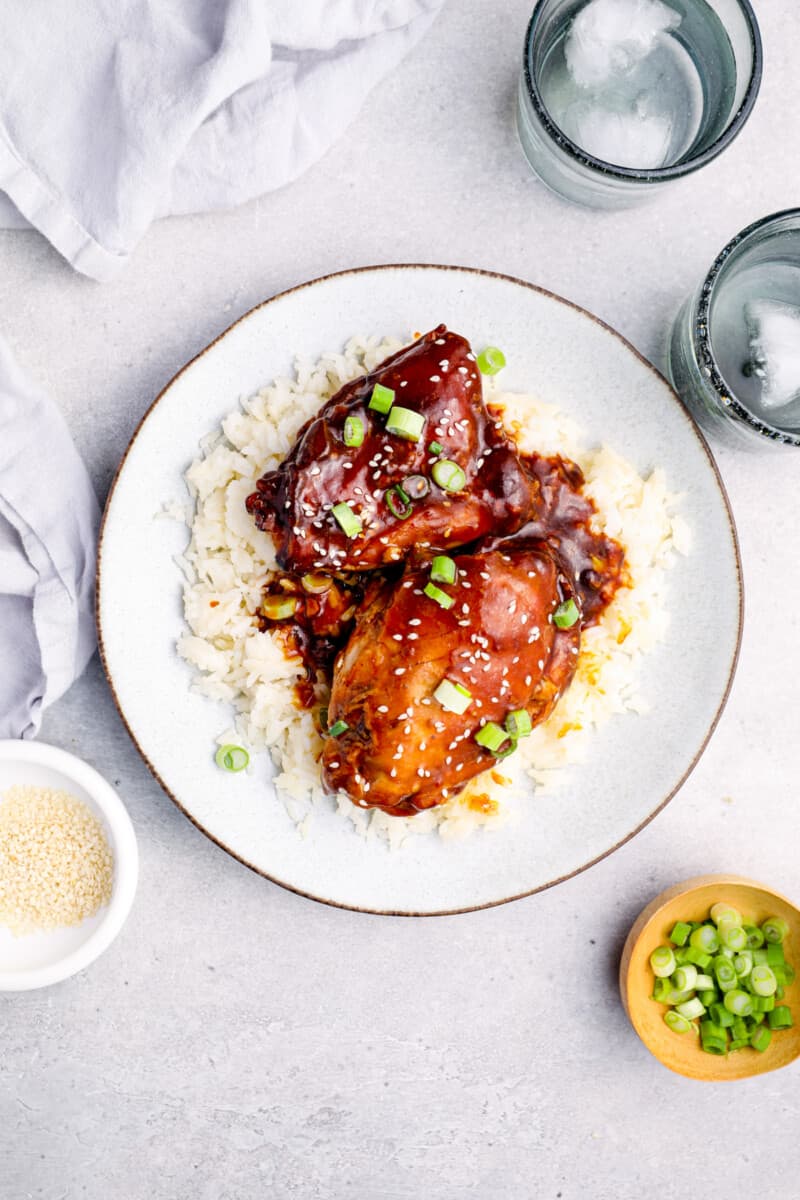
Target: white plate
x=39, y=959
x=566, y=357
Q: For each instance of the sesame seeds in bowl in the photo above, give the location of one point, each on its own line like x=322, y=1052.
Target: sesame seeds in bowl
x=68, y=865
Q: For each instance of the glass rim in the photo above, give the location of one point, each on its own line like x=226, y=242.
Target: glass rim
x=652, y=174
x=701, y=330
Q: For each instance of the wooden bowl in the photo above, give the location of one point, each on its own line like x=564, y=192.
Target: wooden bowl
x=691, y=901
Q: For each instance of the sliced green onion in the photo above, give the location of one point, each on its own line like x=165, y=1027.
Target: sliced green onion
x=763, y=1004
x=491, y=360
x=725, y=912
x=743, y=963
x=452, y=696
x=348, y=520
x=725, y=974
x=566, y=614
x=780, y=1017
x=738, y=1043
x=662, y=960
x=441, y=598
x=720, y=1015
x=443, y=569
x=338, y=728
x=705, y=938
x=709, y=996
x=757, y=1018
x=398, y=503
x=519, y=724
x=713, y=1038
x=761, y=1039
x=495, y=739
x=740, y=1029
x=353, y=431
x=738, y=1002
x=682, y=955
x=691, y=1009
x=755, y=937
x=677, y=997
x=703, y=982
x=661, y=990
x=789, y=974
x=732, y=936
x=416, y=487
x=405, y=423
x=232, y=758
x=680, y=933
x=698, y=957
x=775, y=954
x=449, y=475
x=382, y=398
x=685, y=978
x=760, y=954
x=278, y=608
x=774, y=929
x=436, y=447
x=676, y=1022
x=763, y=981
x=316, y=584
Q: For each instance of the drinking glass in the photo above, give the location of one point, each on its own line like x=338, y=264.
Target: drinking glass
x=607, y=123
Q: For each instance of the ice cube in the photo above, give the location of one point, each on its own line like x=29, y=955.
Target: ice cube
x=625, y=134
x=774, y=331
x=610, y=37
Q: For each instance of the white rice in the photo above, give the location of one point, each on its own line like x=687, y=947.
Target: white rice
x=228, y=561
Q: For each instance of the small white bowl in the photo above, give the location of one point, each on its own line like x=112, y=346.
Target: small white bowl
x=38, y=959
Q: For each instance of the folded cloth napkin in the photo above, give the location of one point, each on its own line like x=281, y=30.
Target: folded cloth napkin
x=48, y=531
x=113, y=112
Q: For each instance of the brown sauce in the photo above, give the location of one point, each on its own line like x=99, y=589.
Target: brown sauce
x=323, y=620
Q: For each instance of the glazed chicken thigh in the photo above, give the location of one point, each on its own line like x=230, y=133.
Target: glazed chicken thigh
x=403, y=748
x=388, y=482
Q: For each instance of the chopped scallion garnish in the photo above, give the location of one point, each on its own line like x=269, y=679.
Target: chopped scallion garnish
x=740, y=1004
x=416, y=487
x=232, y=758
x=405, y=423
x=279, y=608
x=348, y=520
x=518, y=723
x=453, y=697
x=443, y=569
x=436, y=447
x=676, y=1022
x=441, y=598
x=566, y=614
x=491, y=360
x=449, y=475
x=774, y=929
x=353, y=431
x=495, y=739
x=662, y=960
x=338, y=728
x=382, y=398
x=398, y=502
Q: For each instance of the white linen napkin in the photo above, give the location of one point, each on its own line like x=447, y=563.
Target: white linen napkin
x=48, y=531
x=113, y=112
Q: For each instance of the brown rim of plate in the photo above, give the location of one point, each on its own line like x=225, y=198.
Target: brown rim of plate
x=445, y=912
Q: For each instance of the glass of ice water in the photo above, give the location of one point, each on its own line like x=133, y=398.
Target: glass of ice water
x=619, y=97
x=734, y=354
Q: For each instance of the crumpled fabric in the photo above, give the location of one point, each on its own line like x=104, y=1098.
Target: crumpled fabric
x=49, y=519
x=115, y=112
